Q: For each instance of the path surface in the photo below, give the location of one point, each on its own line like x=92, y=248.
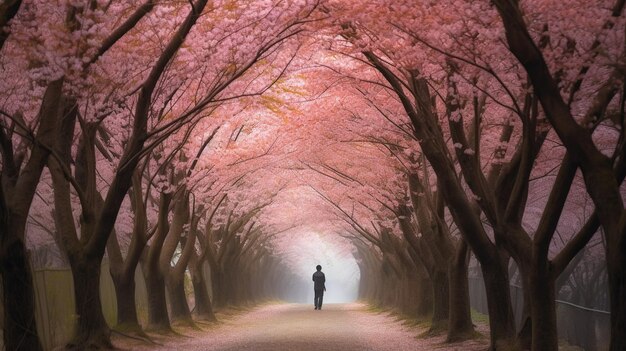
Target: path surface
x=338, y=327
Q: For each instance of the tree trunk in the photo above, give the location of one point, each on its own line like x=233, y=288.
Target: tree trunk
x=379, y=300
x=155, y=282
x=543, y=307
x=240, y=287
x=20, y=327
x=406, y=303
x=525, y=334
x=92, y=331
x=501, y=318
x=123, y=271
x=158, y=318
x=228, y=291
x=126, y=309
x=217, y=283
x=616, y=268
x=203, y=308
x=441, y=307
x=179, y=308
x=425, y=299
x=363, y=286
x=460, y=325
x=175, y=275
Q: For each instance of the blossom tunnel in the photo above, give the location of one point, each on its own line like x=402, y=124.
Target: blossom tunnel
x=457, y=165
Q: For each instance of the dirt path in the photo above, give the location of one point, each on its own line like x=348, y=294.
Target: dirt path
x=340, y=327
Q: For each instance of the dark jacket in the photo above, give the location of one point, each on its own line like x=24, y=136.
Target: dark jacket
x=319, y=278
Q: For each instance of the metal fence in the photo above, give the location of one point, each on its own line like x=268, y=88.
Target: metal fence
x=584, y=327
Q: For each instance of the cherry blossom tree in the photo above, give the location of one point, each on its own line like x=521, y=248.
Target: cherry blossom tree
x=97, y=219
x=602, y=174
x=51, y=79
x=416, y=81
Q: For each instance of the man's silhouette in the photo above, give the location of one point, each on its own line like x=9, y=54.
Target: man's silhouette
x=319, y=279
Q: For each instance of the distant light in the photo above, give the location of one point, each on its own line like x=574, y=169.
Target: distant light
x=309, y=249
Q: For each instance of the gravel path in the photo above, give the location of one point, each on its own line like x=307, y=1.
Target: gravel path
x=338, y=327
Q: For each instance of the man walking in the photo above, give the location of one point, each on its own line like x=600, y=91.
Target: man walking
x=319, y=279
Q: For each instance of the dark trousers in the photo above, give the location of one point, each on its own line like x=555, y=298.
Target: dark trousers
x=319, y=297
